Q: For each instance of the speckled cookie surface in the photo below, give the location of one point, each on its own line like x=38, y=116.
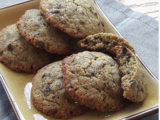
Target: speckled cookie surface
x=92, y=79
x=18, y=54
x=133, y=78
x=104, y=42
x=49, y=95
x=33, y=26
x=78, y=18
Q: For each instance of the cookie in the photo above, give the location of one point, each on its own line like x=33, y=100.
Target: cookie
x=49, y=95
x=34, y=28
x=92, y=79
x=103, y=42
x=17, y=54
x=132, y=74
x=78, y=18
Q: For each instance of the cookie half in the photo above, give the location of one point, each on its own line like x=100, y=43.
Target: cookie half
x=17, y=54
x=34, y=28
x=49, y=95
x=103, y=42
x=78, y=18
x=92, y=79
x=132, y=72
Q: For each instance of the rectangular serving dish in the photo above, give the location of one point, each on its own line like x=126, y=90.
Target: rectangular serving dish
x=18, y=85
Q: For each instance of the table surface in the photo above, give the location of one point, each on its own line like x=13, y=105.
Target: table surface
x=148, y=7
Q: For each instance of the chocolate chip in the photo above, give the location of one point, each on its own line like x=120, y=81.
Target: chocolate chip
x=40, y=44
x=44, y=75
x=41, y=14
x=1, y=53
x=106, y=43
x=47, y=88
x=71, y=112
x=55, y=12
x=103, y=49
x=122, y=56
x=142, y=90
x=10, y=47
x=49, y=75
x=53, y=111
x=128, y=72
x=86, y=41
x=128, y=57
x=82, y=13
x=82, y=22
x=31, y=67
x=44, y=24
x=61, y=77
x=95, y=14
x=124, y=49
x=70, y=101
x=102, y=24
x=95, y=37
x=103, y=65
x=73, y=60
x=121, y=73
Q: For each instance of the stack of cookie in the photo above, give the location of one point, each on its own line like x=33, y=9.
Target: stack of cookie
x=67, y=86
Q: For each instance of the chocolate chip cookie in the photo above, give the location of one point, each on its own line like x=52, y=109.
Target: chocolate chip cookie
x=49, y=95
x=104, y=42
x=33, y=26
x=78, y=18
x=17, y=54
x=132, y=73
x=92, y=79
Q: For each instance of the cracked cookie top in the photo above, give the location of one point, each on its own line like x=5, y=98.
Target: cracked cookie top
x=34, y=27
x=18, y=54
x=78, y=18
x=92, y=79
x=49, y=95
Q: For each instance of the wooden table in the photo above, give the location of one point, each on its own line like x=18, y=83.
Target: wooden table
x=148, y=7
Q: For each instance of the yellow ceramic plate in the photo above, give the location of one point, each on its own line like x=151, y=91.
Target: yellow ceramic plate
x=18, y=85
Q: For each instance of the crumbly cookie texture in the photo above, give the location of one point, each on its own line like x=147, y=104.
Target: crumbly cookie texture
x=17, y=54
x=104, y=42
x=49, y=95
x=92, y=79
x=132, y=72
x=34, y=27
x=78, y=18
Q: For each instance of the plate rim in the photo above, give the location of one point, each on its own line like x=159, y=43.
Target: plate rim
x=145, y=113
